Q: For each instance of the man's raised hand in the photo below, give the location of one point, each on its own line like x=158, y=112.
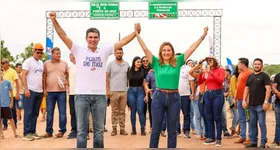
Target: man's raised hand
x=52, y=15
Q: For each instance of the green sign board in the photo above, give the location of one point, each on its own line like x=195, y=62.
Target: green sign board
x=104, y=11
x=163, y=10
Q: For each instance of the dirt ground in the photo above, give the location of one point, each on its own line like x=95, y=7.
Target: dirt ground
x=136, y=141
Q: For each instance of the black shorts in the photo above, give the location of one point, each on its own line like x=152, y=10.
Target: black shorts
x=6, y=113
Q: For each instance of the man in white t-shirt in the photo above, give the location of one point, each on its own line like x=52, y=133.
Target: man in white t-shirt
x=91, y=63
x=186, y=87
x=32, y=76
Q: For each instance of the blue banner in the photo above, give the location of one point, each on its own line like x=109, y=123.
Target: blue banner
x=49, y=46
x=230, y=66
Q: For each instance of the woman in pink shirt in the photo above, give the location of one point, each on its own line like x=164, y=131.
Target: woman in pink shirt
x=213, y=99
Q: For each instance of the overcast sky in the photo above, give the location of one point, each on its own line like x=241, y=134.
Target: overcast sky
x=250, y=28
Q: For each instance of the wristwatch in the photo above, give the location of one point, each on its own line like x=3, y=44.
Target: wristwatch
x=267, y=103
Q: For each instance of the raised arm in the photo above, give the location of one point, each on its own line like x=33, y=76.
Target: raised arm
x=194, y=46
x=60, y=32
x=124, y=41
x=145, y=49
x=197, y=66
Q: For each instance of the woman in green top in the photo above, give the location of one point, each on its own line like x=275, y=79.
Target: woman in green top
x=166, y=98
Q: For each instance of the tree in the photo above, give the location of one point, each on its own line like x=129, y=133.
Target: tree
x=28, y=53
x=271, y=69
x=5, y=53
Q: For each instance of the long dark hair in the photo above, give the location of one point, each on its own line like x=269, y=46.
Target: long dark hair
x=132, y=68
x=236, y=72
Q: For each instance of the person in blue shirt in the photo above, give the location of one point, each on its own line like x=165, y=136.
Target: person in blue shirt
x=6, y=103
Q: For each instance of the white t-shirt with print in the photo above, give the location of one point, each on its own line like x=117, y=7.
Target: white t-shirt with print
x=91, y=69
x=35, y=72
x=72, y=79
x=184, y=81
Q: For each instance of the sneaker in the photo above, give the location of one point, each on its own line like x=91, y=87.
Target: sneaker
x=273, y=145
x=209, y=142
x=227, y=135
x=261, y=146
x=72, y=135
x=35, y=136
x=178, y=134
x=28, y=137
x=187, y=135
x=218, y=143
x=250, y=145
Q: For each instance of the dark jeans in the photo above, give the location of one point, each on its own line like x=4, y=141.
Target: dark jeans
x=73, y=113
x=214, y=102
x=14, y=114
x=60, y=98
x=186, y=109
x=201, y=107
x=168, y=103
x=277, y=120
x=136, y=103
x=163, y=126
x=97, y=105
x=257, y=114
x=150, y=110
x=31, y=112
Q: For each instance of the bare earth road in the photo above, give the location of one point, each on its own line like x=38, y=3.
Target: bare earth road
x=136, y=141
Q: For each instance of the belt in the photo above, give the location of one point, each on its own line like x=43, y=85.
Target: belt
x=168, y=91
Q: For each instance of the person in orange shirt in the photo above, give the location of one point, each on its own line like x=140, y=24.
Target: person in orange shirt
x=243, y=64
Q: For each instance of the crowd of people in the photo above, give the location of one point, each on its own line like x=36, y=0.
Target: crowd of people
x=162, y=85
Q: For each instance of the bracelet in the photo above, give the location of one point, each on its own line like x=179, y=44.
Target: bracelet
x=202, y=37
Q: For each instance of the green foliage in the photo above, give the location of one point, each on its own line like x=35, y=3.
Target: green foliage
x=28, y=53
x=5, y=53
x=271, y=69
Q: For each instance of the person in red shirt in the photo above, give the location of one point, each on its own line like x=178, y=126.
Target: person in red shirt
x=243, y=64
x=213, y=99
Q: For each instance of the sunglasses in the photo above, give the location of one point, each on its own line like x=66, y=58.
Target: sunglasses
x=2, y=63
x=145, y=60
x=39, y=53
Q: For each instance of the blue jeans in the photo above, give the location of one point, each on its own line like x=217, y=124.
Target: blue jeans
x=192, y=119
x=214, y=102
x=186, y=109
x=277, y=119
x=242, y=121
x=258, y=114
x=234, y=114
x=224, y=119
x=31, y=112
x=20, y=102
x=163, y=127
x=199, y=125
x=60, y=98
x=202, y=111
x=97, y=105
x=168, y=103
x=137, y=104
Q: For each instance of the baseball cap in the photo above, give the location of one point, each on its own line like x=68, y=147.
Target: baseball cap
x=38, y=46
